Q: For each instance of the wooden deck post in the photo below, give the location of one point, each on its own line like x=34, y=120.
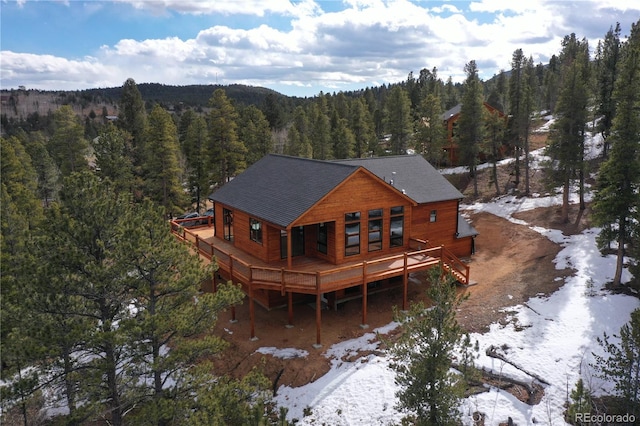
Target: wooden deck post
x=405, y=284
x=318, y=343
x=233, y=308
x=252, y=313
x=364, y=295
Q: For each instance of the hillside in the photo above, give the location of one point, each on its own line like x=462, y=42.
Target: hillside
x=104, y=101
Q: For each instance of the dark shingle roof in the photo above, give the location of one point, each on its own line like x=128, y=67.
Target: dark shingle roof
x=453, y=111
x=279, y=189
x=412, y=173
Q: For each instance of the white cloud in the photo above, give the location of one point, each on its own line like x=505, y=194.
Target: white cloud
x=361, y=43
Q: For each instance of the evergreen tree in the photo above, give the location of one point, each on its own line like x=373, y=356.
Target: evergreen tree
x=320, y=129
x=451, y=96
x=430, y=134
x=343, y=140
x=621, y=365
x=422, y=356
x=399, y=122
x=519, y=111
x=194, y=145
x=361, y=126
x=494, y=140
x=254, y=131
x=173, y=323
x=566, y=141
x=111, y=149
x=48, y=174
x=67, y=146
x=470, y=124
x=273, y=111
x=20, y=215
x=227, y=152
x=133, y=118
x=551, y=82
x=163, y=175
x=619, y=179
x=298, y=144
x=607, y=58
x=85, y=230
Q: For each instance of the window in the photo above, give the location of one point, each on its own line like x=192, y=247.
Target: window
x=396, y=227
x=434, y=216
x=322, y=238
x=375, y=230
x=352, y=234
x=227, y=217
x=255, y=230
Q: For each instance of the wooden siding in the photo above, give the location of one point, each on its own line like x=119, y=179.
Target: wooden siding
x=362, y=192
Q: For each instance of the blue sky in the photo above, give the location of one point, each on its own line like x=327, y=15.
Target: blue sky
x=296, y=47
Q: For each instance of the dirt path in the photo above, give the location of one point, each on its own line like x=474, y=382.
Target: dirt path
x=512, y=263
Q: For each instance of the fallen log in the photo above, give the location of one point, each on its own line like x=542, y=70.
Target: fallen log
x=493, y=353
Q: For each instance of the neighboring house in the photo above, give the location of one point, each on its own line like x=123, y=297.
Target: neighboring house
x=450, y=119
x=288, y=227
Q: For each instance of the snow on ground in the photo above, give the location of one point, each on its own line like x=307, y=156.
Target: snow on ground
x=550, y=337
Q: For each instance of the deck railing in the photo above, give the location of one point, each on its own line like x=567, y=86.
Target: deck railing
x=297, y=281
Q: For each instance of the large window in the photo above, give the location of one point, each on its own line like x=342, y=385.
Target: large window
x=322, y=237
x=396, y=227
x=352, y=234
x=375, y=230
x=255, y=230
x=227, y=217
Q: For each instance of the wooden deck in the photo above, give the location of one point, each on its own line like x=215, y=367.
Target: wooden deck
x=314, y=276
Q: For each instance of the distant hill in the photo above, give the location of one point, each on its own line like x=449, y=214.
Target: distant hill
x=22, y=102
x=193, y=95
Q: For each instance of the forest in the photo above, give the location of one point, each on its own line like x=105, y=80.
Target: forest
x=102, y=312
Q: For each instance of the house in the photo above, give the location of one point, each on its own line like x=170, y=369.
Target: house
x=289, y=229
x=450, y=119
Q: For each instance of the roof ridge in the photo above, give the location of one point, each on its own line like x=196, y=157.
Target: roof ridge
x=313, y=160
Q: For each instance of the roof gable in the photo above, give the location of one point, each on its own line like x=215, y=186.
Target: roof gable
x=412, y=175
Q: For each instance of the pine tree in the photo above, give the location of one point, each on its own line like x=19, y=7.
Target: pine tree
x=422, y=356
x=133, y=118
x=162, y=171
x=18, y=348
x=173, y=325
x=619, y=179
x=320, y=129
x=430, y=133
x=111, y=149
x=255, y=133
x=84, y=231
x=67, y=146
x=621, y=365
x=607, y=63
x=566, y=141
x=343, y=140
x=470, y=124
x=228, y=153
x=361, y=126
x=494, y=140
x=48, y=175
x=398, y=123
x=194, y=145
x=518, y=113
